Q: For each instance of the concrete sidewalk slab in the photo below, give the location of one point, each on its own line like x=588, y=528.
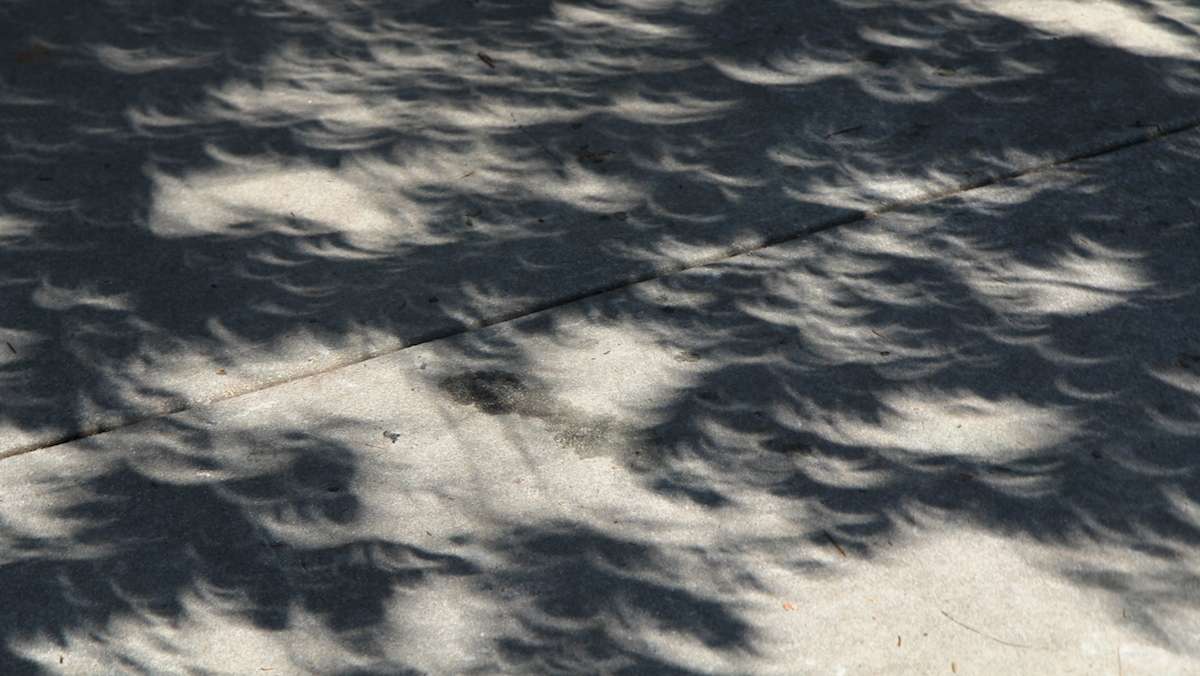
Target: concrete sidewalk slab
x=958, y=438
x=209, y=198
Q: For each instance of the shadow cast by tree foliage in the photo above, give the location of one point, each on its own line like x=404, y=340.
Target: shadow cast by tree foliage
x=162, y=166
x=216, y=184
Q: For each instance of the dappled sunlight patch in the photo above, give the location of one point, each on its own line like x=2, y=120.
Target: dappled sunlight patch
x=893, y=38
x=307, y=346
x=572, y=15
x=590, y=191
x=907, y=88
x=499, y=115
x=154, y=121
x=209, y=635
x=16, y=231
x=24, y=198
x=786, y=70
x=834, y=471
x=35, y=517
x=1183, y=504
x=1183, y=421
x=1069, y=389
x=793, y=157
x=864, y=189
x=490, y=172
x=855, y=254
x=827, y=323
x=51, y=296
x=1146, y=461
x=950, y=423
x=1028, y=481
x=1183, y=374
x=668, y=108
x=149, y=60
x=699, y=170
x=296, y=201
x=1133, y=29
x=1081, y=278
x=490, y=166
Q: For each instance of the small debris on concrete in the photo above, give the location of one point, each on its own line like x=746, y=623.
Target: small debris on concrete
x=847, y=130
x=586, y=155
x=391, y=435
x=829, y=536
x=984, y=634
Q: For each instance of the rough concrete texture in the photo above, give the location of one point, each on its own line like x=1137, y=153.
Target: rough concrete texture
x=955, y=438
x=207, y=197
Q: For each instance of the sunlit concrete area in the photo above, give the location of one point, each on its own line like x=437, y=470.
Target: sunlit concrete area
x=636, y=336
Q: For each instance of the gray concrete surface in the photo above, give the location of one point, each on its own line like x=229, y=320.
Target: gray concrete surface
x=205, y=198
x=956, y=438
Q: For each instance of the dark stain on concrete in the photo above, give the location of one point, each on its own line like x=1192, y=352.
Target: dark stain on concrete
x=591, y=438
x=496, y=392
x=493, y=392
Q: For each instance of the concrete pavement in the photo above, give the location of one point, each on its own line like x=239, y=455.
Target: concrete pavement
x=207, y=199
x=957, y=438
